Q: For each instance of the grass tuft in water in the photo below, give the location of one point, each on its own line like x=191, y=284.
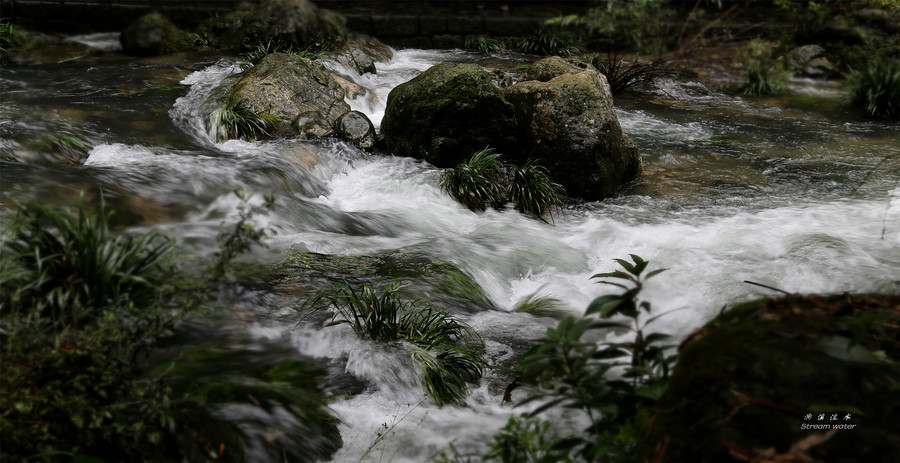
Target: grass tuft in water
x=237, y=120
x=765, y=74
x=876, y=88
x=541, y=306
x=483, y=45
x=485, y=180
x=533, y=192
x=477, y=183
x=262, y=50
x=549, y=40
x=442, y=350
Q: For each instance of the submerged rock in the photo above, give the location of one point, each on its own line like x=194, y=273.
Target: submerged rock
x=813, y=378
x=154, y=34
x=286, y=86
x=297, y=23
x=447, y=113
x=567, y=121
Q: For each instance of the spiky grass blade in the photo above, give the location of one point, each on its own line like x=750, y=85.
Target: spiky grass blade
x=477, y=183
x=876, y=88
x=541, y=306
x=533, y=192
x=443, y=346
x=237, y=120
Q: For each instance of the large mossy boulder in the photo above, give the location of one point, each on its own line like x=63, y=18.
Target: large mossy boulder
x=287, y=86
x=446, y=113
x=793, y=379
x=297, y=23
x=154, y=34
x=567, y=122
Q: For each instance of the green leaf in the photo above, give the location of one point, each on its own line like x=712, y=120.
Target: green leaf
x=654, y=273
x=600, y=303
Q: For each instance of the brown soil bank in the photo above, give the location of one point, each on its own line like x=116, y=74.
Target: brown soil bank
x=801, y=378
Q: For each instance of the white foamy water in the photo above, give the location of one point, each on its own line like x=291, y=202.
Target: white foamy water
x=799, y=243
x=795, y=229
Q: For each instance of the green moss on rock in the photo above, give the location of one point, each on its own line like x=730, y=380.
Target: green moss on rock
x=746, y=382
x=154, y=34
x=447, y=113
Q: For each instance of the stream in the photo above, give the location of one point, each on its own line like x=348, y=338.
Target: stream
x=804, y=199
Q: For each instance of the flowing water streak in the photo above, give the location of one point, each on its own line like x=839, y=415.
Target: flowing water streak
x=335, y=199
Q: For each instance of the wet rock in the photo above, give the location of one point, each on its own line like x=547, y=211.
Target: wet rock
x=447, y=113
x=286, y=87
x=810, y=60
x=358, y=129
x=362, y=52
x=297, y=23
x=885, y=20
x=154, y=34
x=569, y=124
x=548, y=68
x=813, y=378
x=312, y=124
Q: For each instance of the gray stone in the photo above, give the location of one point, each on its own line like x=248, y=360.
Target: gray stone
x=311, y=124
x=154, y=34
x=569, y=124
x=286, y=86
x=297, y=23
x=447, y=113
x=357, y=128
x=361, y=52
x=810, y=60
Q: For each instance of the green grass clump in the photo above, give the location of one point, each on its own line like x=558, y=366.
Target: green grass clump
x=548, y=41
x=876, y=88
x=485, y=181
x=264, y=49
x=533, y=192
x=477, y=183
x=483, y=45
x=765, y=74
x=442, y=345
x=77, y=305
x=237, y=120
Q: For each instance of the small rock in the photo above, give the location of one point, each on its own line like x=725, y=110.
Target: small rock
x=357, y=128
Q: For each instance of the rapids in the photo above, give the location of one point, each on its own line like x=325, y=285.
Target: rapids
x=802, y=200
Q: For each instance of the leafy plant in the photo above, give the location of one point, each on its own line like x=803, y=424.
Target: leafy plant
x=477, y=183
x=527, y=440
x=641, y=25
x=11, y=36
x=614, y=384
x=540, y=306
x=487, y=181
x=876, y=88
x=237, y=120
x=765, y=74
x=622, y=75
x=64, y=269
x=549, y=40
x=77, y=305
x=443, y=347
x=243, y=235
x=264, y=49
x=533, y=192
x=483, y=44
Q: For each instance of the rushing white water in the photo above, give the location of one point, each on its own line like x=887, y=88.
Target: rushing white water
x=782, y=198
